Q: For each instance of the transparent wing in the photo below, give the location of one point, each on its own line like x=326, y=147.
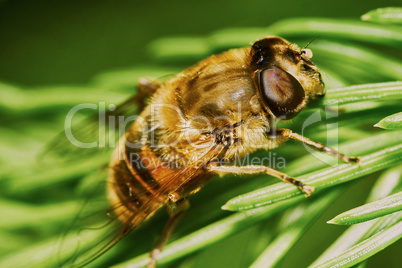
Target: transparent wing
x=97, y=227
x=93, y=135
x=100, y=132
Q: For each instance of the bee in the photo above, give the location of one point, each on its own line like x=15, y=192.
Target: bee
x=224, y=107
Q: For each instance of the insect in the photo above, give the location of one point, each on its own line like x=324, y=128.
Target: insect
x=223, y=107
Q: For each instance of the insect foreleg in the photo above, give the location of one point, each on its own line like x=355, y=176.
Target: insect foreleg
x=176, y=211
x=307, y=190
x=287, y=133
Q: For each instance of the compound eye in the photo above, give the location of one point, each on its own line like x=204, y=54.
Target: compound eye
x=281, y=93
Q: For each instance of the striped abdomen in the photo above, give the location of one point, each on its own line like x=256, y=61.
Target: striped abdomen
x=133, y=189
x=140, y=184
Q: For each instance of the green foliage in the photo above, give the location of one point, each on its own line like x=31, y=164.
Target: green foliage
x=384, y=15
x=364, y=87
x=366, y=248
x=369, y=211
x=393, y=121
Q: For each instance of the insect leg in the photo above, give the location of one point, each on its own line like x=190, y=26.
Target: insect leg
x=254, y=169
x=176, y=210
x=287, y=133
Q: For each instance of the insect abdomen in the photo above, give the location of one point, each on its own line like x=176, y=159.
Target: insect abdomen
x=133, y=192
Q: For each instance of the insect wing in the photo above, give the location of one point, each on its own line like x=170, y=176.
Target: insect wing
x=94, y=230
x=91, y=136
x=97, y=227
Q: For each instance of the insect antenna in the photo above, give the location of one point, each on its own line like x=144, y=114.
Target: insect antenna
x=311, y=41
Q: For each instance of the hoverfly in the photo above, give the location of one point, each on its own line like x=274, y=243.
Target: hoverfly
x=223, y=107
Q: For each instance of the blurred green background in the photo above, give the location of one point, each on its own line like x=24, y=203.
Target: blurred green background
x=68, y=42
x=67, y=45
